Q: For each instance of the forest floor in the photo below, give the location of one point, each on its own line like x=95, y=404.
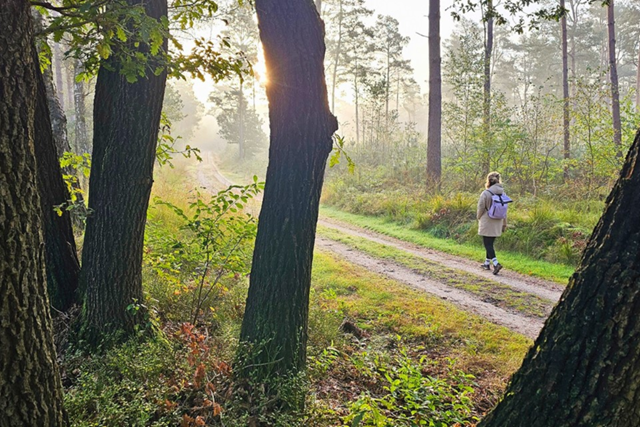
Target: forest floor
x=516, y=301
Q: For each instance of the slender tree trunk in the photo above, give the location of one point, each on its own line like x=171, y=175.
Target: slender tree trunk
x=276, y=315
x=70, y=73
x=241, y=132
x=336, y=60
x=50, y=142
x=82, y=137
x=434, y=166
x=355, y=84
x=613, y=73
x=61, y=258
x=57, y=65
x=565, y=94
x=387, y=90
x=584, y=367
x=30, y=387
x=638, y=81
x=125, y=139
x=486, y=116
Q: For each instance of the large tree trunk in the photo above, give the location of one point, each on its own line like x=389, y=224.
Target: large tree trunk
x=30, y=387
x=301, y=123
x=565, y=94
x=584, y=367
x=434, y=166
x=124, y=146
x=82, y=137
x=61, y=258
x=613, y=74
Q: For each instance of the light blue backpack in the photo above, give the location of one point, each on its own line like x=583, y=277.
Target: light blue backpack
x=499, y=205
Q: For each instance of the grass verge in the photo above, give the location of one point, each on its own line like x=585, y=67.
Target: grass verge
x=488, y=290
x=559, y=273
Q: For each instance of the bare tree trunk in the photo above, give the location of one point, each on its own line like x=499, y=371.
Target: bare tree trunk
x=355, y=84
x=613, y=73
x=486, y=117
x=336, y=60
x=638, y=81
x=584, y=367
x=434, y=166
x=82, y=137
x=57, y=64
x=30, y=386
x=241, y=110
x=565, y=94
x=276, y=315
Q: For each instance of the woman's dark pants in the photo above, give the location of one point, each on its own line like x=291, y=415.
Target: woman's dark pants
x=488, y=245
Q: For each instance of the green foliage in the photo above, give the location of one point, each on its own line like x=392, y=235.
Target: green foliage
x=74, y=165
x=165, y=149
x=212, y=246
x=411, y=397
x=338, y=152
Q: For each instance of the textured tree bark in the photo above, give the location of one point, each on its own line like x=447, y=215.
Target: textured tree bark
x=434, y=166
x=566, y=121
x=584, y=368
x=124, y=146
x=61, y=257
x=30, y=387
x=613, y=75
x=275, y=321
x=486, y=116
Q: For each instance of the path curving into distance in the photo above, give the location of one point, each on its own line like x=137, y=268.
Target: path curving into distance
x=209, y=177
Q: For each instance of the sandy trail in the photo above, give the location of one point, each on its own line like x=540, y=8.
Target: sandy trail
x=211, y=178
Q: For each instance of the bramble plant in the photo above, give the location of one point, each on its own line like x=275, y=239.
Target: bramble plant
x=216, y=235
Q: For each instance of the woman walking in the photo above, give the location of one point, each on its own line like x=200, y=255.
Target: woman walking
x=490, y=228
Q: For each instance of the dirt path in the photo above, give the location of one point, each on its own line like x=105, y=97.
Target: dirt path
x=517, y=322
x=544, y=289
x=210, y=177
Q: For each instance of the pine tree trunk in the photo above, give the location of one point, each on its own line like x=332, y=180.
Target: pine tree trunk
x=584, y=367
x=434, y=166
x=61, y=257
x=124, y=147
x=82, y=137
x=30, y=387
x=565, y=94
x=355, y=84
x=241, y=132
x=57, y=64
x=336, y=60
x=301, y=123
x=613, y=75
x=486, y=116
x=638, y=81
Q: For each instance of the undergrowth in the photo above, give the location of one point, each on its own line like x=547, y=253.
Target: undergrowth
x=551, y=227
x=380, y=354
